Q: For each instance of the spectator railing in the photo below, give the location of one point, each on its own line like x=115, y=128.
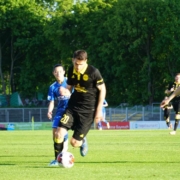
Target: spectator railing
x=120, y=113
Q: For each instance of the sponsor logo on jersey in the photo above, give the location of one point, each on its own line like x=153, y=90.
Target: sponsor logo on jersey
x=63, y=98
x=80, y=89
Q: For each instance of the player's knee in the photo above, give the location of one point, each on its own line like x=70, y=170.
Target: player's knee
x=167, y=119
x=58, y=138
x=177, y=116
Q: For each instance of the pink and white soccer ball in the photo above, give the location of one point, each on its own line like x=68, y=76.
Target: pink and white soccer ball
x=65, y=159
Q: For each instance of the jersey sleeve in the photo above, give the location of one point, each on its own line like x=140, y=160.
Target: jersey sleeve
x=98, y=78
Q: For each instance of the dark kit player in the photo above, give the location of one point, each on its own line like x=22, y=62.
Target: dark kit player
x=85, y=103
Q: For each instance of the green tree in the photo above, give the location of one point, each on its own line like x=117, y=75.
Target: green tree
x=135, y=44
x=141, y=49
x=19, y=24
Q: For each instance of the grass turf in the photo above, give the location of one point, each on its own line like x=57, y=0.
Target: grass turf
x=113, y=155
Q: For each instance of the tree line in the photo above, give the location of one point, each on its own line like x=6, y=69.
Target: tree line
x=135, y=45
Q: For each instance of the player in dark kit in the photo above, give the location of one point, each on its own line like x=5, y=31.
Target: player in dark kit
x=175, y=102
x=167, y=108
x=85, y=103
x=167, y=111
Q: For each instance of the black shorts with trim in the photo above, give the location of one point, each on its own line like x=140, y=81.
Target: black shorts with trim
x=79, y=122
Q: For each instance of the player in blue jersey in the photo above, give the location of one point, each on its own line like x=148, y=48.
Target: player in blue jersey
x=105, y=104
x=56, y=92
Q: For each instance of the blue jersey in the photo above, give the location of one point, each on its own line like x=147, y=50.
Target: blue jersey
x=54, y=94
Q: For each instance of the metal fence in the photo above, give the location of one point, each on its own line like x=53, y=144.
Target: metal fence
x=23, y=114
x=120, y=113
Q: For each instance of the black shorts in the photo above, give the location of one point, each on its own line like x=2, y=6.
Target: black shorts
x=176, y=107
x=79, y=122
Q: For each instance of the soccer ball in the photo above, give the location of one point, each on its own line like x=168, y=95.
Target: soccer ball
x=65, y=159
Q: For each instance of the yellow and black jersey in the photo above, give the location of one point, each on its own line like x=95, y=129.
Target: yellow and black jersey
x=174, y=85
x=85, y=95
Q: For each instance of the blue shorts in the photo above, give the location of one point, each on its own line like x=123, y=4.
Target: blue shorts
x=57, y=118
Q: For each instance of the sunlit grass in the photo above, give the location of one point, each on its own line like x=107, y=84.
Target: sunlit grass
x=113, y=154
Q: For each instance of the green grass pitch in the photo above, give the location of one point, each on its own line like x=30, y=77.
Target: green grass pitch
x=113, y=155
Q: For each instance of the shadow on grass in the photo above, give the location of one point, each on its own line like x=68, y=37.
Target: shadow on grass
x=25, y=156
x=113, y=162
x=41, y=165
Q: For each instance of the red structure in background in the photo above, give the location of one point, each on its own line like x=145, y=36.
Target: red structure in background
x=116, y=125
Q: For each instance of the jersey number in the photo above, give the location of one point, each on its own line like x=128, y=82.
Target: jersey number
x=64, y=119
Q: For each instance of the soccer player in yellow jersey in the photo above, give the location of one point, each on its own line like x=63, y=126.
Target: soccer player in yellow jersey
x=175, y=97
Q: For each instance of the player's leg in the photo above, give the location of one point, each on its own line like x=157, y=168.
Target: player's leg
x=83, y=124
x=65, y=143
x=61, y=137
x=176, y=107
x=57, y=147
x=177, y=118
x=104, y=119
x=99, y=125
x=108, y=126
x=54, y=128
x=59, y=142
x=54, y=162
x=82, y=144
x=167, y=117
x=65, y=123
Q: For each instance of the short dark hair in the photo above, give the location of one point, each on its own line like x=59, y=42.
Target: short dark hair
x=80, y=55
x=57, y=65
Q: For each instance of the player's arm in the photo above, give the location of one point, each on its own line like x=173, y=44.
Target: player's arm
x=66, y=91
x=70, y=88
x=174, y=94
x=170, y=89
x=50, y=109
x=167, y=91
x=102, y=94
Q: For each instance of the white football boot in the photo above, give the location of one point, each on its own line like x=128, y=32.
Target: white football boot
x=173, y=133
